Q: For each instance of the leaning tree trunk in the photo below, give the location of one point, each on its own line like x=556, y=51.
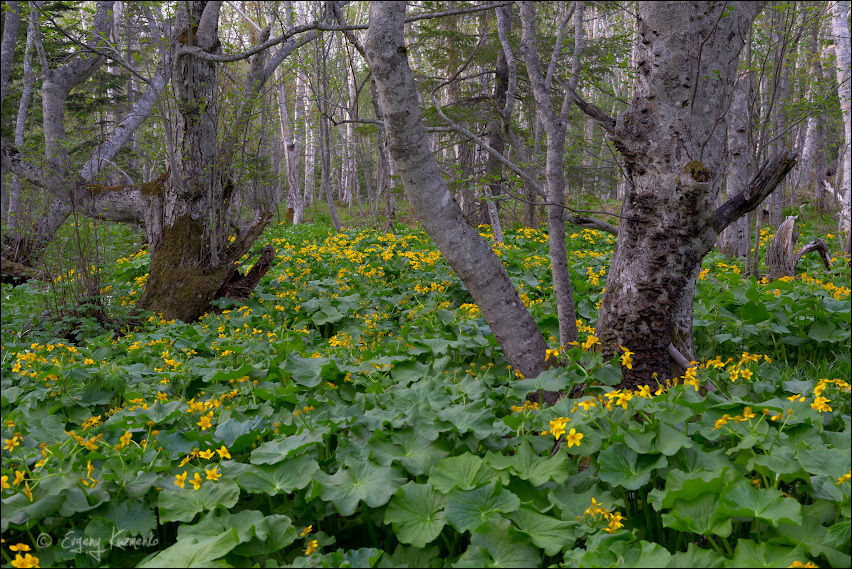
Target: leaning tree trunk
x=672, y=137
x=468, y=254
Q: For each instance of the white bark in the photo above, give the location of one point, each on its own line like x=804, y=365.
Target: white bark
x=842, y=55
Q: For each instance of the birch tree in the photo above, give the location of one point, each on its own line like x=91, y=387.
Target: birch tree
x=840, y=27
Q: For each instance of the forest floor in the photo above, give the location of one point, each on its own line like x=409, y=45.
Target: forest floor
x=356, y=409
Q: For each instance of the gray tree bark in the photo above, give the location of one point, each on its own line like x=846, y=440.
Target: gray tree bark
x=555, y=127
x=672, y=137
x=734, y=239
x=466, y=252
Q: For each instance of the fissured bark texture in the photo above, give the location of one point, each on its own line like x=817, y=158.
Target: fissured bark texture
x=673, y=139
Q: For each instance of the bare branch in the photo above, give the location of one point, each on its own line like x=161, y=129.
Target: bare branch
x=770, y=175
x=604, y=120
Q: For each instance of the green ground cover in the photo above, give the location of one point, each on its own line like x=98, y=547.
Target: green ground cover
x=356, y=410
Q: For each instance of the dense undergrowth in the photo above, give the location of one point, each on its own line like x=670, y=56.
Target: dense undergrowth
x=357, y=411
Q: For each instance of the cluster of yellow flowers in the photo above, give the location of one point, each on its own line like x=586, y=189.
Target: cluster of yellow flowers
x=206, y=454
x=22, y=561
x=557, y=429
x=527, y=406
x=213, y=474
x=613, y=519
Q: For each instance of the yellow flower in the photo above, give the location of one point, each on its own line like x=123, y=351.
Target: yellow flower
x=223, y=452
x=800, y=564
x=820, y=404
x=587, y=404
x=11, y=443
x=723, y=420
x=626, y=359
x=614, y=522
x=204, y=423
x=196, y=481
x=746, y=373
x=27, y=491
x=20, y=547
x=595, y=509
x=590, y=341
x=4, y=483
x=748, y=413
x=796, y=398
x=312, y=546
x=844, y=478
x=557, y=427
x=180, y=479
x=734, y=374
x=307, y=530
x=26, y=561
x=207, y=454
x=125, y=439
x=213, y=474
x=644, y=391
x=573, y=438
x=19, y=477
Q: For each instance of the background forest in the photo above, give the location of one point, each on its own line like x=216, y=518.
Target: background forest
x=451, y=284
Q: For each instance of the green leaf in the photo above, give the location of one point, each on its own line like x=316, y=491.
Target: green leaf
x=190, y=553
x=305, y=371
x=238, y=435
x=414, y=450
x=273, y=534
x=416, y=512
x=280, y=478
x=273, y=452
x=688, y=486
x=413, y=557
x=621, y=466
x=553, y=379
x=537, y=469
x=498, y=544
x=763, y=503
x=832, y=462
x=182, y=505
x=695, y=557
x=821, y=330
x=132, y=518
x=360, y=480
x=475, y=418
x=546, y=532
x=698, y=516
x=464, y=472
x=751, y=554
x=754, y=312
x=623, y=553
x=467, y=510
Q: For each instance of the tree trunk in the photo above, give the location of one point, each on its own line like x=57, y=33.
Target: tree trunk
x=672, y=139
x=555, y=129
x=842, y=48
x=467, y=253
x=734, y=239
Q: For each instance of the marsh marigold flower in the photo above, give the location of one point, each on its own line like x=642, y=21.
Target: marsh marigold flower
x=180, y=479
x=312, y=546
x=196, y=481
x=626, y=358
x=573, y=438
x=213, y=474
x=26, y=561
x=590, y=341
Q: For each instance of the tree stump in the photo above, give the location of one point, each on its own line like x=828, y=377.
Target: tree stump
x=782, y=258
